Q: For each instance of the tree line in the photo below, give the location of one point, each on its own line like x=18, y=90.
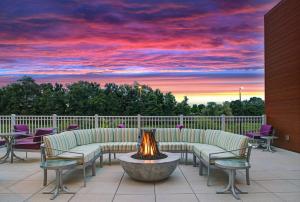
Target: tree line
x=26, y=97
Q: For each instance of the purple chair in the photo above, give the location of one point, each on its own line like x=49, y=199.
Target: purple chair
x=2, y=143
x=32, y=143
x=73, y=127
x=122, y=125
x=265, y=130
x=179, y=126
x=21, y=128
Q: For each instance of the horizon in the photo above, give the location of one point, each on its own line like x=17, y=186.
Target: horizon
x=203, y=50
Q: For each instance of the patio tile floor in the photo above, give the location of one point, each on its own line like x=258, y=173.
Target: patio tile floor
x=274, y=177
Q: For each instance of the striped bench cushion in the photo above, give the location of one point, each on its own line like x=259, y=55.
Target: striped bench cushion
x=126, y=134
x=102, y=135
x=84, y=137
x=231, y=141
x=62, y=141
x=118, y=147
x=204, y=150
x=172, y=146
x=90, y=151
x=168, y=135
x=192, y=135
x=211, y=137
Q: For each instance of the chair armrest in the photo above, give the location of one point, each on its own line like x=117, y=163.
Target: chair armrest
x=231, y=151
x=44, y=156
x=63, y=150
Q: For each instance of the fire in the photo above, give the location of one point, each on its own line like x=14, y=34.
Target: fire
x=147, y=146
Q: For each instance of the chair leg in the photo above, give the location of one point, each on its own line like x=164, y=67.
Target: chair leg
x=208, y=174
x=26, y=155
x=200, y=168
x=45, y=178
x=101, y=161
x=194, y=160
x=247, y=176
x=109, y=158
x=115, y=156
x=84, y=180
x=94, y=169
x=186, y=157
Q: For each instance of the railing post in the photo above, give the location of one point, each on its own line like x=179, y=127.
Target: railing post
x=181, y=119
x=223, y=122
x=96, y=121
x=13, y=121
x=139, y=121
x=263, y=119
x=54, y=122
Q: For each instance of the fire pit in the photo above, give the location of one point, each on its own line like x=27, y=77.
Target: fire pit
x=148, y=163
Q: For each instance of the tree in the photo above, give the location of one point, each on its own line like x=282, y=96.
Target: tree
x=87, y=98
x=183, y=107
x=83, y=98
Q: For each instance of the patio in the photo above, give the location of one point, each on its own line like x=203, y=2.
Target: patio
x=274, y=177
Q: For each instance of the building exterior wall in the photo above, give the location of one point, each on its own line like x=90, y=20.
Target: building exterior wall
x=282, y=72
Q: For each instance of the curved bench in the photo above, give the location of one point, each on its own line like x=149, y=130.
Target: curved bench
x=89, y=144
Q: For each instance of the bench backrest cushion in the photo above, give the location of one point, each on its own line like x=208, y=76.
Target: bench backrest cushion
x=102, y=135
x=192, y=135
x=84, y=136
x=211, y=137
x=230, y=141
x=62, y=141
x=168, y=135
x=126, y=134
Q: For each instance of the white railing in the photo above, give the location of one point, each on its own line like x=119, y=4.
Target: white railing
x=235, y=124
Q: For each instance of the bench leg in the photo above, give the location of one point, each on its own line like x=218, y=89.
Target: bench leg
x=208, y=174
x=194, y=160
x=94, y=168
x=200, y=167
x=247, y=176
x=186, y=157
x=109, y=158
x=45, y=178
x=101, y=161
x=84, y=180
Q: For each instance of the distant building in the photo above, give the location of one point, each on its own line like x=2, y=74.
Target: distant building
x=282, y=72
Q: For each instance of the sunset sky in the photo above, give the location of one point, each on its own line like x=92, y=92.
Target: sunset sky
x=205, y=49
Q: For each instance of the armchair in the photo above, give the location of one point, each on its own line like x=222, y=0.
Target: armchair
x=265, y=130
x=31, y=143
x=22, y=128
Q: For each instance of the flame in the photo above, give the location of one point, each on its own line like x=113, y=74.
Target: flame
x=147, y=147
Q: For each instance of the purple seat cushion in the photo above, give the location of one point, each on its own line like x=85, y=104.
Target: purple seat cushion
x=21, y=128
x=121, y=125
x=2, y=142
x=73, y=127
x=264, y=131
x=253, y=135
x=41, y=132
x=27, y=144
x=180, y=126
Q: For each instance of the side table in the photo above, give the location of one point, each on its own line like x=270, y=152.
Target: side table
x=269, y=139
x=58, y=166
x=231, y=165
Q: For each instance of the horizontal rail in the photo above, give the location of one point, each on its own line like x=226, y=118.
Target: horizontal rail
x=235, y=124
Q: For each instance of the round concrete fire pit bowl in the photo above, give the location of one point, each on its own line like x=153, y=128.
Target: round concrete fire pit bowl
x=149, y=170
